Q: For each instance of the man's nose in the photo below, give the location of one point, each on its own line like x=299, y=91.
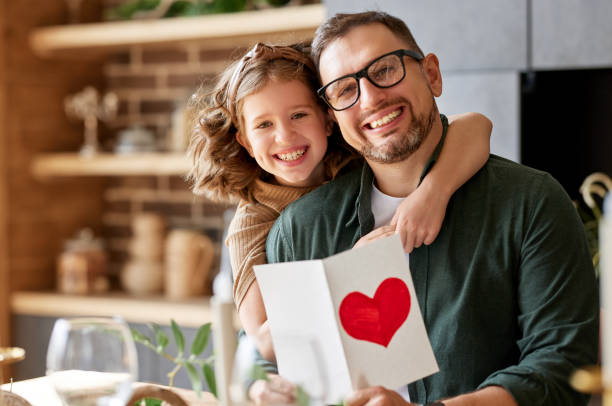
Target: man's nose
x=371, y=96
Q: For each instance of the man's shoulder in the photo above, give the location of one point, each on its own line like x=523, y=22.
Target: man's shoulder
x=502, y=164
x=514, y=182
x=316, y=225
x=336, y=191
x=507, y=171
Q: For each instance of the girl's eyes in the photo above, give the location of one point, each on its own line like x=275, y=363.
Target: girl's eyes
x=263, y=124
x=268, y=124
x=299, y=115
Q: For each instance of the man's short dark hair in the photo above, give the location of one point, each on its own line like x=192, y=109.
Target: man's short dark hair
x=340, y=24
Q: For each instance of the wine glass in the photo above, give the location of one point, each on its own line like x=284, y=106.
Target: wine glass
x=243, y=370
x=307, y=369
x=92, y=361
x=304, y=368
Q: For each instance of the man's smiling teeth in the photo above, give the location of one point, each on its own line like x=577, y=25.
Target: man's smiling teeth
x=386, y=119
x=292, y=156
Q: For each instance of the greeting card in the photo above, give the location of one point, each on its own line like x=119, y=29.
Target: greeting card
x=348, y=321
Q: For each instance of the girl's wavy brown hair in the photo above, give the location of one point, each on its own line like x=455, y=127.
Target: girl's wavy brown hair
x=221, y=168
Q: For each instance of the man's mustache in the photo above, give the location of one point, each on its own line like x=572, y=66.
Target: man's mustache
x=386, y=103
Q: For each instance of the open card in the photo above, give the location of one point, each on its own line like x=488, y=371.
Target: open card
x=348, y=321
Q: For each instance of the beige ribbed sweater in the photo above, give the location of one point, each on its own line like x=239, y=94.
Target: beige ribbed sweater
x=249, y=229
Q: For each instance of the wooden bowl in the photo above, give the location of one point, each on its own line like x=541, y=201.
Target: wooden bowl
x=8, y=355
x=12, y=399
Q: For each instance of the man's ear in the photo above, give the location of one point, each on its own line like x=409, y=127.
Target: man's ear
x=431, y=68
x=329, y=126
x=244, y=142
x=332, y=114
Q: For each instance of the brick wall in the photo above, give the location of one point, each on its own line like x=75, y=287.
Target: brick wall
x=152, y=83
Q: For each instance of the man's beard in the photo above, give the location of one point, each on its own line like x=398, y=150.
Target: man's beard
x=400, y=146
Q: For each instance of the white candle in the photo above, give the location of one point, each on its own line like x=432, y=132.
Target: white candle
x=223, y=310
x=605, y=266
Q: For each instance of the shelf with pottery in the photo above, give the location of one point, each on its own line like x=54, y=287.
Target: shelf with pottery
x=108, y=164
x=219, y=31
x=192, y=312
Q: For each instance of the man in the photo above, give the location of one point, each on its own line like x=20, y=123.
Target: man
x=507, y=290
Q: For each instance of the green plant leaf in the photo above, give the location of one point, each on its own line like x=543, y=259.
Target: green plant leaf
x=301, y=397
x=150, y=402
x=259, y=373
x=179, y=339
x=160, y=337
x=201, y=339
x=278, y=3
x=127, y=9
x=139, y=337
x=196, y=382
x=209, y=376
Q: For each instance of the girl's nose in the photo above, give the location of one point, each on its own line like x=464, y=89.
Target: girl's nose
x=284, y=133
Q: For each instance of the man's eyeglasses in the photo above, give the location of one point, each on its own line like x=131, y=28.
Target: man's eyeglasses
x=385, y=71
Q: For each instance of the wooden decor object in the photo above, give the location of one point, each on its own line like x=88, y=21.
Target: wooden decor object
x=12, y=399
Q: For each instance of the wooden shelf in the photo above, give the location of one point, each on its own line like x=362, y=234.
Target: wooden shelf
x=156, y=309
x=72, y=164
x=220, y=31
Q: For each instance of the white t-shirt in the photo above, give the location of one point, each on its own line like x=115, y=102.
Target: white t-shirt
x=383, y=208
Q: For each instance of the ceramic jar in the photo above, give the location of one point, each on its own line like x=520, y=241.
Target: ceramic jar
x=188, y=259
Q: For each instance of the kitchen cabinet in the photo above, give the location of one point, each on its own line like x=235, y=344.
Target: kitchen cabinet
x=496, y=94
x=465, y=35
x=571, y=34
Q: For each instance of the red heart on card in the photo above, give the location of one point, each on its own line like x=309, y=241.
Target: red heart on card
x=376, y=320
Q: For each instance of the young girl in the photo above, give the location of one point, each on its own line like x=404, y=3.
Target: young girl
x=263, y=139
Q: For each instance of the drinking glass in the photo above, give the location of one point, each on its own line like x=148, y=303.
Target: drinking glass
x=303, y=367
x=307, y=369
x=92, y=361
x=242, y=370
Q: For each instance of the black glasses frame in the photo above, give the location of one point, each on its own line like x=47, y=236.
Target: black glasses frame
x=363, y=73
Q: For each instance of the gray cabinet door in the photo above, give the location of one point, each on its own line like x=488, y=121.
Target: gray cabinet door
x=571, y=34
x=466, y=34
x=494, y=94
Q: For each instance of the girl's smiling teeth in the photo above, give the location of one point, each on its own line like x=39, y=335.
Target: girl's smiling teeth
x=291, y=156
x=386, y=119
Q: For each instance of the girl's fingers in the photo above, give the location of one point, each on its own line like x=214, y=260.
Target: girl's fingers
x=407, y=240
x=281, y=385
x=395, y=219
x=275, y=391
x=276, y=398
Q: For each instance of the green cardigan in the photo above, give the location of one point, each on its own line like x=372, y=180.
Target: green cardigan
x=507, y=289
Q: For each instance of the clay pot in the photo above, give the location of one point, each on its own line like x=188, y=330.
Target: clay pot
x=142, y=277
x=189, y=256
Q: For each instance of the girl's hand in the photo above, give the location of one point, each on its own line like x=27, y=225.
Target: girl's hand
x=276, y=390
x=264, y=342
x=419, y=217
x=376, y=234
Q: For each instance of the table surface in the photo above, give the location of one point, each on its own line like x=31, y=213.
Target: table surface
x=39, y=392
